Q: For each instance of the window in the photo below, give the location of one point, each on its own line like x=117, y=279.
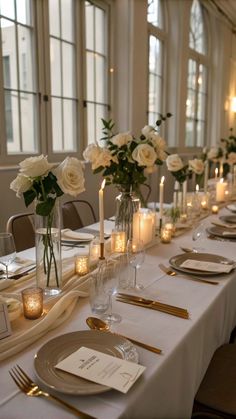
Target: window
x=155, y=80
x=54, y=59
x=197, y=80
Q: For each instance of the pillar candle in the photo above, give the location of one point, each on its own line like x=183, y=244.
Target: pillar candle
x=220, y=190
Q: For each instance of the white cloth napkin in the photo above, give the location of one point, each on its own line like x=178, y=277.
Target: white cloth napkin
x=67, y=234
x=19, y=265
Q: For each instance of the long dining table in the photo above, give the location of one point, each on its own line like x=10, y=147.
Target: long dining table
x=170, y=381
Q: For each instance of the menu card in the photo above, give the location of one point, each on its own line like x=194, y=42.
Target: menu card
x=201, y=265
x=102, y=368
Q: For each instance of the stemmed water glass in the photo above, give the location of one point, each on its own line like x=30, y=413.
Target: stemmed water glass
x=136, y=255
x=199, y=235
x=110, y=280
x=7, y=250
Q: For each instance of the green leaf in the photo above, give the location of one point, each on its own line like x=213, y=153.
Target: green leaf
x=29, y=196
x=44, y=208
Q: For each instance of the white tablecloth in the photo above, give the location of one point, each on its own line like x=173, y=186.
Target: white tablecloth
x=167, y=388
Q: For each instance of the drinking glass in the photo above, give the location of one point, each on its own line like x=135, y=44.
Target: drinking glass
x=110, y=280
x=136, y=254
x=7, y=250
x=199, y=235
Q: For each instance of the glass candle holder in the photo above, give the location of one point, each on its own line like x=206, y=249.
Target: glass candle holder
x=214, y=209
x=95, y=250
x=171, y=227
x=166, y=235
x=32, y=299
x=82, y=264
x=183, y=218
x=118, y=241
x=204, y=204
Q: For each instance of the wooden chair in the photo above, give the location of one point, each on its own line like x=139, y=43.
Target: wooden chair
x=216, y=394
x=22, y=228
x=77, y=214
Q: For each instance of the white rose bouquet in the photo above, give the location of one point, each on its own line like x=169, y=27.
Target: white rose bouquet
x=43, y=182
x=178, y=169
x=123, y=159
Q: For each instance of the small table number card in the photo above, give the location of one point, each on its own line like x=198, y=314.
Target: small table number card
x=102, y=368
x=5, y=327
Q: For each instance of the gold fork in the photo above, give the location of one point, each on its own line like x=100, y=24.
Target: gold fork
x=171, y=272
x=27, y=386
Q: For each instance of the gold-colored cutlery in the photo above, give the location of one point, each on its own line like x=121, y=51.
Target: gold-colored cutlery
x=171, y=272
x=155, y=305
x=27, y=386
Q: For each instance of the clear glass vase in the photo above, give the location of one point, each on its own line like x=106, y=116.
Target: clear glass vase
x=127, y=204
x=48, y=251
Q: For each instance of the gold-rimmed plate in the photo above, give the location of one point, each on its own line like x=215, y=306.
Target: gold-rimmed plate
x=176, y=262
x=231, y=219
x=222, y=232
x=62, y=346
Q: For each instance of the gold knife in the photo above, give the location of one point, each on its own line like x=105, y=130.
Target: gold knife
x=148, y=301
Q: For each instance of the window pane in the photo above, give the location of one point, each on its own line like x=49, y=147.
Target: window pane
x=25, y=58
x=201, y=106
x=100, y=82
x=155, y=55
x=7, y=8
x=9, y=54
x=91, y=122
x=89, y=17
x=68, y=70
x=90, y=76
x=13, y=142
x=196, y=34
x=55, y=58
x=57, y=124
x=101, y=112
x=192, y=71
x=99, y=29
x=190, y=104
x=152, y=117
x=23, y=11
x=200, y=133
x=189, y=140
x=54, y=17
x=155, y=13
x=28, y=123
x=69, y=119
x=202, y=79
x=67, y=18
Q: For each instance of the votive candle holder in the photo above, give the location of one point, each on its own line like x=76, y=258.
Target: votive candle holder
x=32, y=299
x=82, y=264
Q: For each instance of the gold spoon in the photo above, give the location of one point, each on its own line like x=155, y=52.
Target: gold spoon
x=98, y=324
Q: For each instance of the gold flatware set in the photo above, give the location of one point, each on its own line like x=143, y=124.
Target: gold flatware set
x=154, y=305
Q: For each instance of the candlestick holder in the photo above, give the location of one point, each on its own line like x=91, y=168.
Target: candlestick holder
x=32, y=299
x=102, y=257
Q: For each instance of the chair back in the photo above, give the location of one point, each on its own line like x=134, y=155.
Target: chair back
x=77, y=214
x=22, y=228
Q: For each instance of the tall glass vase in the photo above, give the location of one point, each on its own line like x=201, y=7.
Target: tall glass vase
x=48, y=251
x=127, y=204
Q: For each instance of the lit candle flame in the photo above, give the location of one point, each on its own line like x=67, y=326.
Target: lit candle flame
x=103, y=184
x=162, y=180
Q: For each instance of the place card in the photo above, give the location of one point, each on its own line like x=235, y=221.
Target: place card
x=5, y=327
x=201, y=265
x=102, y=368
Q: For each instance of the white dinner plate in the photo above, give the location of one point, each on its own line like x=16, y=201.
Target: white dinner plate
x=230, y=219
x=62, y=346
x=75, y=236
x=177, y=260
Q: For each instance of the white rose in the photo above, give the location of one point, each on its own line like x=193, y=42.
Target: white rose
x=212, y=153
x=91, y=152
x=121, y=139
x=70, y=176
x=174, y=163
x=104, y=159
x=147, y=130
x=231, y=158
x=145, y=155
x=160, y=146
x=21, y=184
x=35, y=166
x=197, y=166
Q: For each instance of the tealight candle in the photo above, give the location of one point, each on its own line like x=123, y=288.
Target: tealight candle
x=214, y=209
x=32, y=299
x=166, y=235
x=118, y=241
x=170, y=227
x=82, y=264
x=204, y=204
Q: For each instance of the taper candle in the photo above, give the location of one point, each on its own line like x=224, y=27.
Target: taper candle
x=101, y=211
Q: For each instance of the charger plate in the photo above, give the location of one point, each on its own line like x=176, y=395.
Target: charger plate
x=231, y=207
x=218, y=232
x=176, y=261
x=62, y=346
x=231, y=219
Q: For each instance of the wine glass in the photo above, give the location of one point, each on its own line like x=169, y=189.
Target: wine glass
x=7, y=250
x=110, y=280
x=136, y=255
x=200, y=235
